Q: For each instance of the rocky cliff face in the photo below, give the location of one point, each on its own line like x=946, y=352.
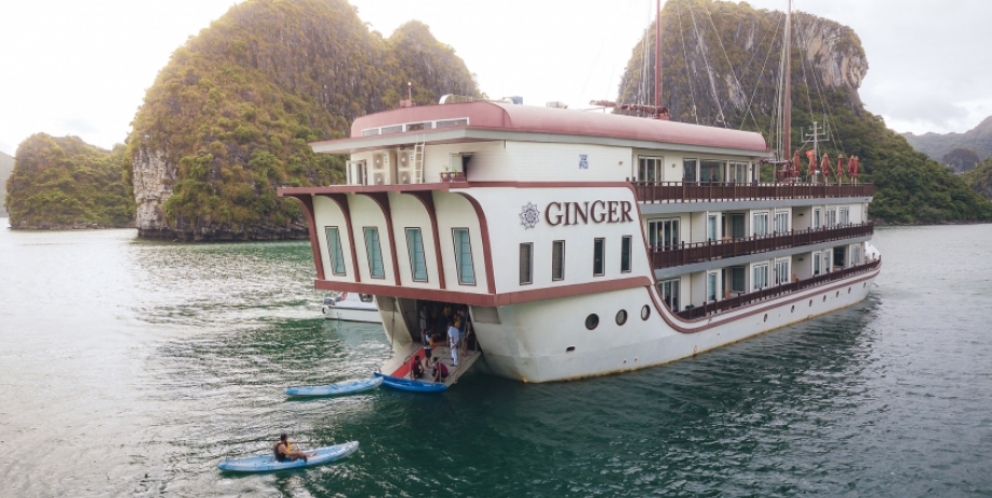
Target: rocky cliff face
x=937, y=145
x=229, y=119
x=720, y=63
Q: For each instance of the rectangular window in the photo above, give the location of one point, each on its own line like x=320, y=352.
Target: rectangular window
x=526, y=263
x=831, y=218
x=374, y=252
x=334, y=250
x=828, y=256
x=669, y=290
x=816, y=218
x=711, y=287
x=845, y=216
x=649, y=169
x=781, y=271
x=626, y=248
x=738, y=173
x=558, y=260
x=418, y=261
x=598, y=258
x=663, y=233
x=782, y=222
x=463, y=256
x=712, y=171
x=737, y=279
x=816, y=263
x=737, y=226
x=759, y=278
x=856, y=255
x=760, y=224
x=689, y=170
x=711, y=227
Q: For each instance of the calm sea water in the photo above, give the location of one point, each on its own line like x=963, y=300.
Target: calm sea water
x=131, y=368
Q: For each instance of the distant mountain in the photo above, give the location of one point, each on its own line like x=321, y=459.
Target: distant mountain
x=228, y=120
x=721, y=68
x=63, y=182
x=936, y=145
x=6, y=167
x=980, y=178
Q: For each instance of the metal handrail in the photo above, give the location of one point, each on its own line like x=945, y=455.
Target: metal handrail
x=651, y=192
x=684, y=254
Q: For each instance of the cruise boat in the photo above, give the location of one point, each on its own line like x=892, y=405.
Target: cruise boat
x=351, y=307
x=582, y=243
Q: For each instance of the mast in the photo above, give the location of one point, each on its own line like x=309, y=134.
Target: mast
x=657, y=56
x=787, y=111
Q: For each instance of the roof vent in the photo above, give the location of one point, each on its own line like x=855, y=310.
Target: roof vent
x=456, y=99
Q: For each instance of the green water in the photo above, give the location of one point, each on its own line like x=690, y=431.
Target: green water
x=131, y=368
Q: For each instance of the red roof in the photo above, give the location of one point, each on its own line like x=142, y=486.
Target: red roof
x=520, y=118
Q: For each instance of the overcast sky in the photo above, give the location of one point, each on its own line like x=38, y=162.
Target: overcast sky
x=82, y=67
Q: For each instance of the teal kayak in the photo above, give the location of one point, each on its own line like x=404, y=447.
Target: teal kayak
x=268, y=463
x=413, y=386
x=341, y=388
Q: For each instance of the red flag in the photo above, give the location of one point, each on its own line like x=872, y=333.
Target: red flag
x=812, y=162
x=825, y=165
x=854, y=166
x=841, y=166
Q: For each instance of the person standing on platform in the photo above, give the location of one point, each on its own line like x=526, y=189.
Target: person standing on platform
x=453, y=341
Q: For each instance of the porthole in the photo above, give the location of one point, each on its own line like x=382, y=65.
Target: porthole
x=645, y=312
x=570, y=349
x=592, y=321
x=621, y=317
x=766, y=317
x=793, y=309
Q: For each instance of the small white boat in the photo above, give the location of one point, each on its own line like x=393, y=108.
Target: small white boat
x=339, y=389
x=351, y=307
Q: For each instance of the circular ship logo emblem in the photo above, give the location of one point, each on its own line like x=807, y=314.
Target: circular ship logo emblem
x=530, y=215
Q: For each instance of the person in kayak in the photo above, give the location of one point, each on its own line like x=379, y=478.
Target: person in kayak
x=284, y=451
x=440, y=370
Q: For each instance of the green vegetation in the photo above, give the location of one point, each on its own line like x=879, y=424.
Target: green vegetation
x=235, y=108
x=960, y=160
x=738, y=91
x=65, y=182
x=6, y=168
x=980, y=178
x=935, y=145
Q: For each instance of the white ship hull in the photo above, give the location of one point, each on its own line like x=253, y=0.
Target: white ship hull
x=530, y=345
x=352, y=315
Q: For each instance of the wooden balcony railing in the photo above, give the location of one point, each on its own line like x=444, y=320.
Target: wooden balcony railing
x=684, y=254
x=713, y=191
x=770, y=292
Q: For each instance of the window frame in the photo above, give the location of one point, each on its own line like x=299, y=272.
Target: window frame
x=561, y=266
x=781, y=215
x=670, y=227
x=599, y=243
x=712, y=277
x=674, y=294
x=368, y=253
x=530, y=263
x=654, y=164
x=754, y=281
x=695, y=169
x=423, y=252
x=788, y=273
x=754, y=223
x=626, y=253
x=458, y=261
x=712, y=227
x=339, y=249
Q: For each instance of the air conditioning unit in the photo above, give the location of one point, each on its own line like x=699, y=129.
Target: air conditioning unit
x=405, y=177
x=383, y=168
x=379, y=177
x=405, y=167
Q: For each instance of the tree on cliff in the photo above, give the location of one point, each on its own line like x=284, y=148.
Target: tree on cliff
x=229, y=119
x=720, y=63
x=980, y=178
x=960, y=160
x=65, y=182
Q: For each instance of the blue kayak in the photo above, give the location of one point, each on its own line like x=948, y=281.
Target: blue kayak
x=414, y=386
x=268, y=463
x=349, y=387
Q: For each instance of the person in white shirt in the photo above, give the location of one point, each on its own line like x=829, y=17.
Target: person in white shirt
x=453, y=341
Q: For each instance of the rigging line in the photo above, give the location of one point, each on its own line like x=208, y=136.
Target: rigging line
x=755, y=52
x=825, y=103
x=804, y=52
x=719, y=39
x=613, y=71
x=592, y=67
x=642, y=86
x=757, y=82
x=780, y=97
x=685, y=57
x=721, y=117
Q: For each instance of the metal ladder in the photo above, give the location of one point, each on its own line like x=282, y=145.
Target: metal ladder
x=418, y=162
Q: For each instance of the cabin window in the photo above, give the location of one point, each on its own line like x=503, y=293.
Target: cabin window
x=558, y=260
x=782, y=222
x=598, y=257
x=816, y=263
x=334, y=250
x=357, y=173
x=374, y=252
x=366, y=298
x=782, y=271
x=711, y=224
x=649, y=169
x=737, y=279
x=828, y=256
x=663, y=233
x=831, y=217
x=816, y=218
x=463, y=256
x=759, y=276
x=669, y=290
x=626, y=249
x=711, y=282
x=711, y=171
x=760, y=224
x=839, y=256
x=689, y=170
x=737, y=225
x=845, y=216
x=418, y=261
x=857, y=257
x=738, y=173
x=526, y=263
